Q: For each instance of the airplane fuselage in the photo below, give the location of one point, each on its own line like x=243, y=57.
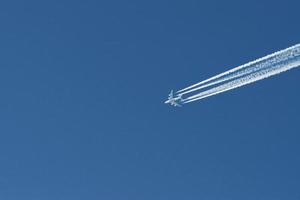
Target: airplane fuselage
x=173, y=100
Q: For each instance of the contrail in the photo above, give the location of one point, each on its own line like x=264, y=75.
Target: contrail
x=243, y=70
x=274, y=70
x=251, y=72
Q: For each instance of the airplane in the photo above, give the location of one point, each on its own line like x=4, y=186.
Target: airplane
x=174, y=100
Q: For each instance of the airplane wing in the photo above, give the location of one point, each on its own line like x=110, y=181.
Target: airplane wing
x=171, y=94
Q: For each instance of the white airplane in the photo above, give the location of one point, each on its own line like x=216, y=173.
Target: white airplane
x=173, y=100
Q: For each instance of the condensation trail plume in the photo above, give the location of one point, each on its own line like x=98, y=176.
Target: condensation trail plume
x=240, y=71
x=251, y=72
x=239, y=83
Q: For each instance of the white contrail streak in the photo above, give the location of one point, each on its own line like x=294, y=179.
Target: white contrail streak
x=240, y=71
x=246, y=80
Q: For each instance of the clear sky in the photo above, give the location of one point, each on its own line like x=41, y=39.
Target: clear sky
x=82, y=88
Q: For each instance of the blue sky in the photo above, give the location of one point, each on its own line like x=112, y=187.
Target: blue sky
x=82, y=88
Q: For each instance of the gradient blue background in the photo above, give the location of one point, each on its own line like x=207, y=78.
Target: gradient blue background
x=82, y=88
